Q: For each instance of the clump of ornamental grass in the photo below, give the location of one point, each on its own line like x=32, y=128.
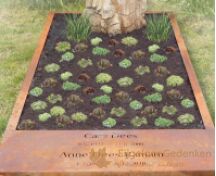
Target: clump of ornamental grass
x=78, y=27
x=158, y=28
x=109, y=122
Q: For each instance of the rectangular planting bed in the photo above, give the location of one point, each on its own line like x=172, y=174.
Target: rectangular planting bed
x=109, y=105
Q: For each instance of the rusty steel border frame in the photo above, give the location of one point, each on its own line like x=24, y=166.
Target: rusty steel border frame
x=206, y=134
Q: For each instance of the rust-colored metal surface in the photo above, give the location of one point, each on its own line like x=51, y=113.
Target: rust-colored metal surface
x=118, y=152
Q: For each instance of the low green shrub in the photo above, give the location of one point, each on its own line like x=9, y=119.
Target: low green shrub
x=125, y=81
x=174, y=81
x=157, y=58
x=103, y=99
x=36, y=92
x=125, y=63
x=109, y=122
x=51, y=68
x=171, y=110
x=136, y=105
x=106, y=89
x=102, y=78
x=100, y=51
x=158, y=87
x=186, y=119
x=63, y=46
x=153, y=98
x=38, y=105
x=187, y=103
x=118, y=111
x=79, y=117
x=68, y=56
x=54, y=98
x=57, y=111
x=44, y=117
x=138, y=121
x=83, y=63
x=96, y=41
x=65, y=76
x=70, y=86
x=153, y=48
x=141, y=70
x=129, y=41
x=163, y=122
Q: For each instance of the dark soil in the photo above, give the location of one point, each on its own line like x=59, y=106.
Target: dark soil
x=50, y=55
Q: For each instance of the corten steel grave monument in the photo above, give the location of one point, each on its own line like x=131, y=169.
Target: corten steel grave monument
x=177, y=152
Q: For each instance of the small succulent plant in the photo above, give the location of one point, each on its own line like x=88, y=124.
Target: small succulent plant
x=109, y=122
x=63, y=46
x=66, y=75
x=125, y=81
x=174, y=81
x=161, y=71
x=63, y=120
x=174, y=94
x=102, y=78
x=157, y=58
x=158, y=87
x=54, y=98
x=153, y=48
x=44, y=117
x=138, y=121
x=36, y=92
x=106, y=89
x=135, y=105
x=138, y=54
x=171, y=110
x=119, y=53
x=186, y=119
x=80, y=47
x=73, y=100
x=70, y=86
x=149, y=111
x=163, y=122
x=113, y=42
x=140, y=89
x=83, y=77
x=98, y=112
x=153, y=98
x=125, y=63
x=49, y=82
x=57, y=111
x=27, y=124
x=38, y=105
x=68, y=56
x=118, y=111
x=141, y=70
x=102, y=99
x=88, y=90
x=104, y=64
x=129, y=41
x=79, y=117
x=122, y=96
x=99, y=51
x=84, y=63
x=96, y=41
x=51, y=68
x=187, y=103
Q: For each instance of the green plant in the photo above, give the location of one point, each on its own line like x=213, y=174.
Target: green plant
x=49, y=82
x=63, y=120
x=102, y=78
x=109, y=122
x=138, y=54
x=68, y=56
x=79, y=117
x=66, y=75
x=99, y=113
x=36, y=92
x=122, y=96
x=63, y=46
x=149, y=111
x=125, y=81
x=118, y=111
x=51, y=68
x=163, y=122
x=174, y=94
x=161, y=71
x=125, y=63
x=83, y=63
x=153, y=48
x=70, y=86
x=106, y=89
x=100, y=51
x=57, y=111
x=138, y=121
x=38, y=105
x=44, y=117
x=174, y=81
x=153, y=98
x=129, y=41
x=104, y=64
x=80, y=47
x=158, y=28
x=27, y=124
x=96, y=41
x=186, y=119
x=136, y=105
x=54, y=98
x=157, y=58
x=141, y=70
x=171, y=110
x=73, y=100
x=187, y=103
x=103, y=99
x=78, y=27
x=158, y=87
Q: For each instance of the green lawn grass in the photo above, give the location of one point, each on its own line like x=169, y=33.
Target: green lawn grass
x=21, y=23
